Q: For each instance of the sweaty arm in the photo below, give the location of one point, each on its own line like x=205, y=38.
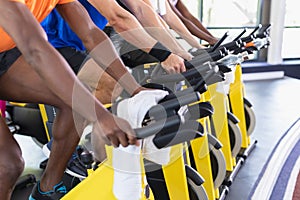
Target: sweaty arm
x=19, y=23
x=192, y=23
x=176, y=24
x=150, y=20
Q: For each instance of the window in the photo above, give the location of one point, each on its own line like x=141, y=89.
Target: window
x=232, y=16
x=291, y=33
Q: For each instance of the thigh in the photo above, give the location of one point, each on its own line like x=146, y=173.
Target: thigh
x=21, y=83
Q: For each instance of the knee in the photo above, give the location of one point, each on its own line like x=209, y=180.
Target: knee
x=11, y=169
x=17, y=167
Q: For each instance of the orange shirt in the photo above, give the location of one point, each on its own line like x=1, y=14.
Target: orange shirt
x=39, y=8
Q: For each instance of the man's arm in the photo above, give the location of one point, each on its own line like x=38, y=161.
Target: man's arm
x=188, y=15
x=192, y=23
x=21, y=25
x=176, y=24
x=132, y=31
x=17, y=20
x=98, y=44
x=124, y=23
x=150, y=20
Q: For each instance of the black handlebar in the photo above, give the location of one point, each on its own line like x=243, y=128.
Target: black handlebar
x=199, y=70
x=167, y=108
x=187, y=131
x=159, y=127
x=240, y=35
x=220, y=41
x=237, y=43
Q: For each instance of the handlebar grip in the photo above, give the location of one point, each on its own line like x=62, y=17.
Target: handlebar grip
x=199, y=52
x=240, y=35
x=199, y=66
x=255, y=29
x=188, y=65
x=219, y=42
x=234, y=45
x=161, y=126
x=179, y=93
x=195, y=69
x=188, y=131
x=168, y=108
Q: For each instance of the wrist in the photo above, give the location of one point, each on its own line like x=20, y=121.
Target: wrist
x=160, y=52
x=138, y=90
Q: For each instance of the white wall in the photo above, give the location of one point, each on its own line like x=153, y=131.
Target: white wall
x=276, y=34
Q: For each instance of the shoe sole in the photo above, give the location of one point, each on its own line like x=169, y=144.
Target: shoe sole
x=71, y=173
x=46, y=152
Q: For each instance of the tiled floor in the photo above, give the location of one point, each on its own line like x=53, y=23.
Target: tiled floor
x=276, y=105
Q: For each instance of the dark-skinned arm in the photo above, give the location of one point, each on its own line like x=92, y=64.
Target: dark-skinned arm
x=98, y=44
x=194, y=25
x=17, y=20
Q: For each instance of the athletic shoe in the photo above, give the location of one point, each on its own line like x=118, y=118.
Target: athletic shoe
x=75, y=166
x=58, y=192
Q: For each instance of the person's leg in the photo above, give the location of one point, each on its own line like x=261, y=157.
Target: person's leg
x=21, y=83
x=103, y=86
x=11, y=161
x=76, y=60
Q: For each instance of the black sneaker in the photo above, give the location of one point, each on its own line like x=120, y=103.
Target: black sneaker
x=75, y=166
x=58, y=192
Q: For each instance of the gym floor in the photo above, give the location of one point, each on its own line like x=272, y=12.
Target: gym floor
x=275, y=103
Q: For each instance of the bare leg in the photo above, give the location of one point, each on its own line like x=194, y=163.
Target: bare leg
x=22, y=84
x=11, y=163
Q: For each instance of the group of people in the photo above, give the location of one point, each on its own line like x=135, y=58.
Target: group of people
x=66, y=53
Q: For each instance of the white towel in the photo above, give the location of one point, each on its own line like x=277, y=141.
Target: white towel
x=126, y=160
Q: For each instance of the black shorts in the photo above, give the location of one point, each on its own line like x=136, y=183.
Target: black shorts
x=74, y=57
x=7, y=58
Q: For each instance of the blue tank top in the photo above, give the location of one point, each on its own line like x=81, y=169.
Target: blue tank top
x=60, y=34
